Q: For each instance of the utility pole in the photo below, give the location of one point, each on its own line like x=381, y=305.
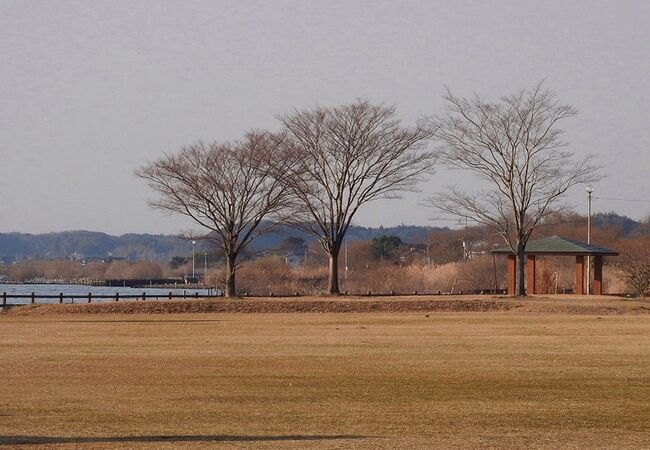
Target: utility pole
x=589, y=192
x=346, y=261
x=193, y=245
x=205, y=272
x=494, y=265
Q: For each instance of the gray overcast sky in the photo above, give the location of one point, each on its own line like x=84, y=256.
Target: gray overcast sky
x=90, y=90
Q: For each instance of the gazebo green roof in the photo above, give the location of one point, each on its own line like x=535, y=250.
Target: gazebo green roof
x=556, y=245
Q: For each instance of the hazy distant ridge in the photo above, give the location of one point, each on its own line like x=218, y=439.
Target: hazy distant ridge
x=91, y=244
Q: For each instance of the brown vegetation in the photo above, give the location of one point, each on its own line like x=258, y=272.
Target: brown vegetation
x=437, y=263
x=459, y=380
x=635, y=264
x=593, y=305
x=279, y=305
x=66, y=270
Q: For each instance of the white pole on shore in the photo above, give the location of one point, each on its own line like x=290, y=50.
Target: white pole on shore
x=193, y=245
x=589, y=192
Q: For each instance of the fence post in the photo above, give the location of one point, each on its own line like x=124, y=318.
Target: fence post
x=170, y=295
x=60, y=297
x=117, y=296
x=144, y=296
x=33, y=298
x=4, y=299
x=196, y=295
x=90, y=297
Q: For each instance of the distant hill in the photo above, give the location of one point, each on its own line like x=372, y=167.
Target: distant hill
x=628, y=226
x=96, y=245
x=91, y=245
x=407, y=233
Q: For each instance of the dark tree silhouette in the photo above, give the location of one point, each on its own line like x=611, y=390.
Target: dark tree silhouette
x=343, y=157
x=227, y=188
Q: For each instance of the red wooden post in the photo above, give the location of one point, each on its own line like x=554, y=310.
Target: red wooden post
x=512, y=274
x=531, y=282
x=598, y=275
x=580, y=275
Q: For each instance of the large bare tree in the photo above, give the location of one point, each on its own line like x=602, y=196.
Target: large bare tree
x=227, y=188
x=341, y=158
x=515, y=146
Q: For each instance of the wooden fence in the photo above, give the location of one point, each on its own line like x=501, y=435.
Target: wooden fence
x=88, y=298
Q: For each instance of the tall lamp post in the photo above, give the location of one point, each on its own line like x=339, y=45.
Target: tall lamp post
x=193, y=245
x=590, y=191
x=205, y=272
x=346, y=262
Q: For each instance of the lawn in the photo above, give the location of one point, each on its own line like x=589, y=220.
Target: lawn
x=374, y=380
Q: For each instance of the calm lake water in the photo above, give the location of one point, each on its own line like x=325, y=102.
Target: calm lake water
x=75, y=289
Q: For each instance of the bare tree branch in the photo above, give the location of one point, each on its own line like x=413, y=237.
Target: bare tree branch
x=227, y=188
x=515, y=146
x=341, y=158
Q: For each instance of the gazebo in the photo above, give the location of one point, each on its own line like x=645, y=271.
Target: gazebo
x=557, y=246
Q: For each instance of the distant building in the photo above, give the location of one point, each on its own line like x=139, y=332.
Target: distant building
x=196, y=279
x=77, y=256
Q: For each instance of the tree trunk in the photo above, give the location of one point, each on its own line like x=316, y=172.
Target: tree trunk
x=231, y=288
x=334, y=270
x=521, y=267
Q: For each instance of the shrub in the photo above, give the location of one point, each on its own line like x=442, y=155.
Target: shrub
x=24, y=271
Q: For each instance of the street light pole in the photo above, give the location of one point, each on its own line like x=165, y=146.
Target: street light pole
x=346, y=262
x=590, y=191
x=193, y=245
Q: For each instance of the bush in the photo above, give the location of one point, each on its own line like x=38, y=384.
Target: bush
x=61, y=269
x=634, y=264
x=24, y=271
x=135, y=271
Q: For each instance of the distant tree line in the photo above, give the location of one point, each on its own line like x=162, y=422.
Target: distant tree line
x=444, y=260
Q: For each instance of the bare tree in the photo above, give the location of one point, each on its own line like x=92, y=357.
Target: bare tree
x=635, y=263
x=515, y=147
x=227, y=188
x=343, y=157
x=637, y=274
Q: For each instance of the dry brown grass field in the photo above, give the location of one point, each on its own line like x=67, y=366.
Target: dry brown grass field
x=518, y=378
